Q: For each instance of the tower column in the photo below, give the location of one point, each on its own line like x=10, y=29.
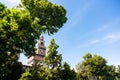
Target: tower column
x=40, y=54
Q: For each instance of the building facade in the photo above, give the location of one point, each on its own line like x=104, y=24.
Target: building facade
x=40, y=53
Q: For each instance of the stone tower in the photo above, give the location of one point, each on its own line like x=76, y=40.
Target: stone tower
x=40, y=53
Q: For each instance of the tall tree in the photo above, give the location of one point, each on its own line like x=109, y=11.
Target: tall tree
x=36, y=72
x=67, y=73
x=96, y=66
x=49, y=16
x=51, y=68
x=20, y=28
x=53, y=59
x=2, y=8
x=111, y=72
x=82, y=72
x=118, y=73
x=12, y=69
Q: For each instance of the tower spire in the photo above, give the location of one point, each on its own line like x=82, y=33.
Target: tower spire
x=41, y=52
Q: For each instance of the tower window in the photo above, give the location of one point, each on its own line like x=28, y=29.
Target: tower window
x=41, y=43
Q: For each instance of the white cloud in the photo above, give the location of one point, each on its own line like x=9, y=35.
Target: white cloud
x=111, y=38
x=113, y=23
x=94, y=41
x=107, y=28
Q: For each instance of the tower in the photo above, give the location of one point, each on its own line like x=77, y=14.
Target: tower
x=40, y=53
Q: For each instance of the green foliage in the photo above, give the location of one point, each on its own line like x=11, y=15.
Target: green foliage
x=92, y=67
x=26, y=76
x=52, y=68
x=53, y=74
x=20, y=28
x=2, y=8
x=95, y=67
x=53, y=59
x=87, y=56
x=111, y=72
x=13, y=28
x=13, y=37
x=55, y=69
x=118, y=72
x=36, y=72
x=67, y=73
x=12, y=69
x=50, y=16
x=82, y=72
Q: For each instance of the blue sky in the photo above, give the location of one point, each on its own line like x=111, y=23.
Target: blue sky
x=93, y=26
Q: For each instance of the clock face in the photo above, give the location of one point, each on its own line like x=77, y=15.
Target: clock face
x=42, y=51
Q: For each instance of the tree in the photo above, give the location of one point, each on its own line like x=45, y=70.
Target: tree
x=2, y=8
x=36, y=72
x=67, y=73
x=13, y=36
x=55, y=69
x=20, y=28
x=13, y=69
x=53, y=59
x=111, y=72
x=51, y=68
x=118, y=73
x=49, y=16
x=94, y=66
x=82, y=72
x=15, y=24
x=53, y=74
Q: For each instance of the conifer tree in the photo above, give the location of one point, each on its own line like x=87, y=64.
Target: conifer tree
x=53, y=59
x=67, y=72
